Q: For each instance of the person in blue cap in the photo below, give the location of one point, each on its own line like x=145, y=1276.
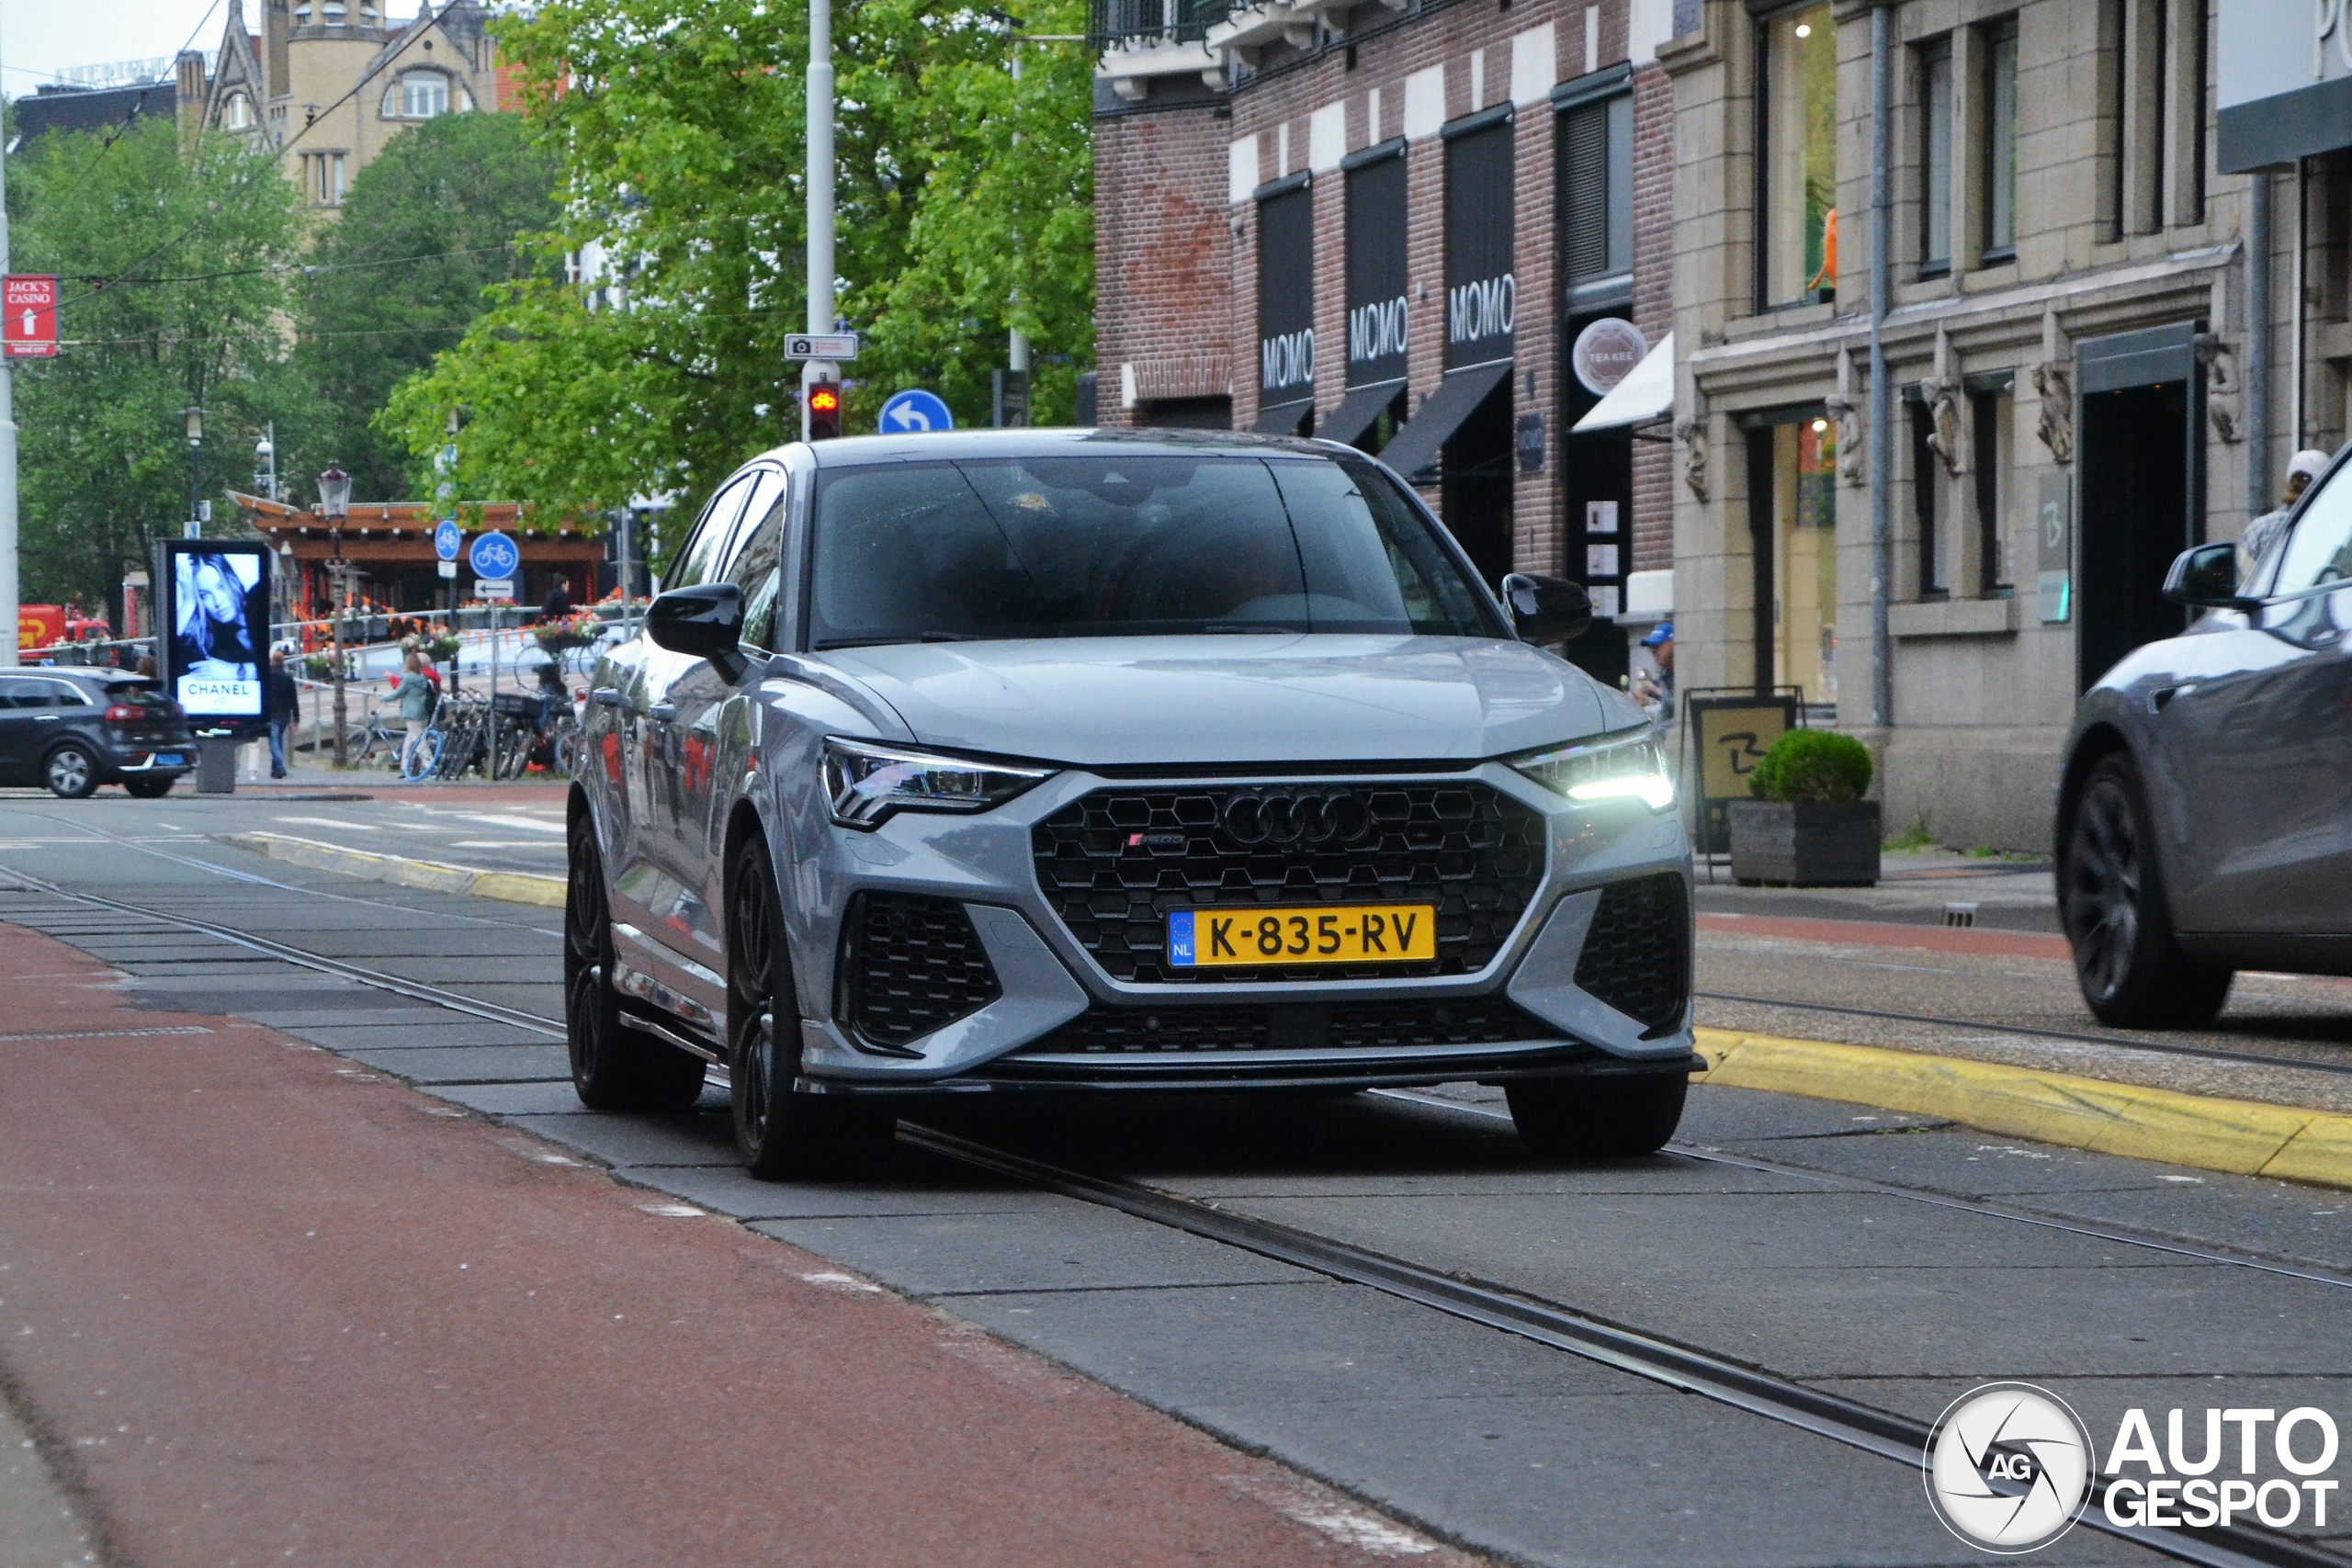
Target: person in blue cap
x=1655, y=691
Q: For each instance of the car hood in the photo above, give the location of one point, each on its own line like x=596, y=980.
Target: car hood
x=1289, y=698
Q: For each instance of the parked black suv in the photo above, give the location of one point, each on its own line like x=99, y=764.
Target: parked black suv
x=73, y=730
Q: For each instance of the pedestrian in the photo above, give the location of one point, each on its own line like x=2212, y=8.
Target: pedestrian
x=1655, y=688
x=416, y=694
x=557, y=606
x=147, y=665
x=2301, y=469
x=284, y=708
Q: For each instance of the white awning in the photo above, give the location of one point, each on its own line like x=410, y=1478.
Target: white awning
x=1647, y=393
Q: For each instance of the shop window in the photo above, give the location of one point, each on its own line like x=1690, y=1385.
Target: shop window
x=1998, y=164
x=1797, y=161
x=1792, y=479
x=1934, y=157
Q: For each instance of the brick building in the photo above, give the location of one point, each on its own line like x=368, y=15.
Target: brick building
x=1388, y=224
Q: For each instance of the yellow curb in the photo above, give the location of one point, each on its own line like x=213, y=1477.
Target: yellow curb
x=2244, y=1137
x=508, y=887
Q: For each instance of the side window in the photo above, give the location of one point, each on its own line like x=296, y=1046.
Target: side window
x=700, y=561
x=65, y=694
x=2320, y=549
x=758, y=568
x=15, y=692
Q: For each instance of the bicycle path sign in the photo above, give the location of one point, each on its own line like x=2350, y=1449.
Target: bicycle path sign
x=447, y=539
x=495, y=557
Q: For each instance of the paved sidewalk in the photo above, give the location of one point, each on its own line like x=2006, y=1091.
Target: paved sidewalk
x=274, y=1307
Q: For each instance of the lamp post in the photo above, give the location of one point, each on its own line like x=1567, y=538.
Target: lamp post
x=334, y=505
x=265, y=462
x=193, y=527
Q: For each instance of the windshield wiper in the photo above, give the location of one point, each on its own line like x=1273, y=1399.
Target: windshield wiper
x=826, y=645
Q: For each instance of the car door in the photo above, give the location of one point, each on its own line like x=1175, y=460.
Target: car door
x=696, y=697
x=2258, y=732
x=647, y=893
x=26, y=718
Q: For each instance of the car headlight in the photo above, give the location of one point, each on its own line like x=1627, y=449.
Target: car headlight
x=866, y=782
x=1627, y=765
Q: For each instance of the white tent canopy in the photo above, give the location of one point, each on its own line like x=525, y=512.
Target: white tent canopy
x=1647, y=393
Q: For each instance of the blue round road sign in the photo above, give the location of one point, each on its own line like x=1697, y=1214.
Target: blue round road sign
x=494, y=555
x=447, y=539
x=914, y=411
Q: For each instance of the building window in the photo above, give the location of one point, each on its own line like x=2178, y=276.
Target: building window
x=1934, y=157
x=331, y=13
x=1996, y=451
x=2000, y=156
x=1926, y=495
x=1597, y=193
x=302, y=13
x=326, y=177
x=1797, y=161
x=237, y=114
x=420, y=95
x=1792, y=510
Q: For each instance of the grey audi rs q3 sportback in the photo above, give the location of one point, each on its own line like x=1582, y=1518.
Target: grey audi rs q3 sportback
x=1074, y=761
x=2205, y=800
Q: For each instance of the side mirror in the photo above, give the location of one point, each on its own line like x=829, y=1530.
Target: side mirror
x=705, y=621
x=1547, y=610
x=2205, y=577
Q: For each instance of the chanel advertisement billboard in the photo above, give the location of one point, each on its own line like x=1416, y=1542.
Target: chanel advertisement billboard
x=1376, y=307
x=1481, y=294
x=1286, y=297
x=213, y=621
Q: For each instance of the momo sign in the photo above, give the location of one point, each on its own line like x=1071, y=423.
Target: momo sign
x=1481, y=292
x=1286, y=296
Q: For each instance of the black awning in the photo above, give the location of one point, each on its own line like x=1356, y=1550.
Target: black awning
x=1282, y=419
x=1357, y=411
x=1415, y=446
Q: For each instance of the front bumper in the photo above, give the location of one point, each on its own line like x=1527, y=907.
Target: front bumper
x=1057, y=1011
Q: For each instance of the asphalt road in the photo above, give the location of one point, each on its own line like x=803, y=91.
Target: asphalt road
x=1839, y=1249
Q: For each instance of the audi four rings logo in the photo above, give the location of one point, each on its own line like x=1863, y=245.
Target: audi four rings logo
x=1339, y=817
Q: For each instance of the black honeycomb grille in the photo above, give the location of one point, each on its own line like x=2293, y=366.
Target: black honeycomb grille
x=1636, y=955
x=1114, y=864
x=910, y=966
x=1347, y=1026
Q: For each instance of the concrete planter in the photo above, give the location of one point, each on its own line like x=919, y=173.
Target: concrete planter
x=1805, y=844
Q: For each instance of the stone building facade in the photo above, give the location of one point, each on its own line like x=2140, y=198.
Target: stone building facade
x=2067, y=343
x=326, y=85
x=1388, y=223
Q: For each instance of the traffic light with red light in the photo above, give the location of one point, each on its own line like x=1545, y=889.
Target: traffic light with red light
x=824, y=409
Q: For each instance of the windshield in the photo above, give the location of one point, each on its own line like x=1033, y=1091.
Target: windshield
x=1128, y=546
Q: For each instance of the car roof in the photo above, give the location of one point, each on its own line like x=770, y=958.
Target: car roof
x=852, y=451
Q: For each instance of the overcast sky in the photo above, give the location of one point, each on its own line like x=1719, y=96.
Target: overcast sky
x=39, y=37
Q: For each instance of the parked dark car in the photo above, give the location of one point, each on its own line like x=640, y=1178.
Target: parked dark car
x=2205, y=803
x=71, y=730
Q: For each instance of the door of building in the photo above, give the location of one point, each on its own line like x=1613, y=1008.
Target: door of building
x=1792, y=523
x=2139, y=472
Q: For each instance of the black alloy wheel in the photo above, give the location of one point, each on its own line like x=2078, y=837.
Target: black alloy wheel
x=1597, y=1118
x=780, y=1134
x=69, y=772
x=2111, y=902
x=613, y=1068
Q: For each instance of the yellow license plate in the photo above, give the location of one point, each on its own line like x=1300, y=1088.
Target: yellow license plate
x=1347, y=933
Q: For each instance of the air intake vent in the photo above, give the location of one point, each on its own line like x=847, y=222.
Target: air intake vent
x=910, y=966
x=1637, y=953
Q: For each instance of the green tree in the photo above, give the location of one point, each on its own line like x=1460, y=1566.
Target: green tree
x=172, y=268
x=681, y=125
x=427, y=228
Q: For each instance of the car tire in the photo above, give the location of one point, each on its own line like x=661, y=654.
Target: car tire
x=69, y=772
x=1597, y=1118
x=149, y=789
x=780, y=1134
x=613, y=1068
x=2112, y=905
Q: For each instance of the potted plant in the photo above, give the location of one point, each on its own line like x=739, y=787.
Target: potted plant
x=1808, y=825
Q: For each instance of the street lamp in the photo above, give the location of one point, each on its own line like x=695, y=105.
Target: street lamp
x=193, y=417
x=334, y=505
x=265, y=462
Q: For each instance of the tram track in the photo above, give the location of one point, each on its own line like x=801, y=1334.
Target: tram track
x=1685, y=1368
